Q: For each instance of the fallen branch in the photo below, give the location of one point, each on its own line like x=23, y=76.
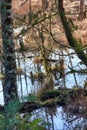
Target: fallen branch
x=52, y=98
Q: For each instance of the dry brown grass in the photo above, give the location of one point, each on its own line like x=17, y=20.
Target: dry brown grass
x=56, y=28
x=22, y=9
x=81, y=32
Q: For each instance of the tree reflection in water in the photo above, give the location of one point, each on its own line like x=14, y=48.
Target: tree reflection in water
x=61, y=119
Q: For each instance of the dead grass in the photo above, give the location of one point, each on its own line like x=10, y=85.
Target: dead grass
x=56, y=28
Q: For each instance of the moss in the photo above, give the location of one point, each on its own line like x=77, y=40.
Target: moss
x=50, y=94
x=74, y=43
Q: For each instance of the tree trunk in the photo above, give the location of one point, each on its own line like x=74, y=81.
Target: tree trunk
x=9, y=59
x=75, y=44
x=82, y=14
x=30, y=13
x=44, y=4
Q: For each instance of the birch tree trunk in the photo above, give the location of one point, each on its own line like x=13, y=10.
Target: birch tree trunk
x=9, y=59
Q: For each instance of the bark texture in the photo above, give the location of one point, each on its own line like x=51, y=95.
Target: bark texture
x=76, y=45
x=9, y=59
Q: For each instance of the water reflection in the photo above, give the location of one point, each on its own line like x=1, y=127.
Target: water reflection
x=59, y=117
x=61, y=120
x=25, y=86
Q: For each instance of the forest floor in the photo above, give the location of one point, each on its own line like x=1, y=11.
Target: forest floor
x=79, y=29
x=32, y=39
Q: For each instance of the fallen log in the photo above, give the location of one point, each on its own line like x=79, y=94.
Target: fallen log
x=53, y=98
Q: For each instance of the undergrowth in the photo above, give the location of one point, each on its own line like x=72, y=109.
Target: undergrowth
x=11, y=119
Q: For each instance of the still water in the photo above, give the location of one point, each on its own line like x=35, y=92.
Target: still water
x=58, y=117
